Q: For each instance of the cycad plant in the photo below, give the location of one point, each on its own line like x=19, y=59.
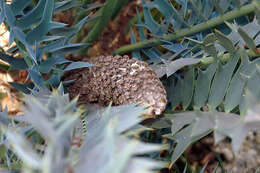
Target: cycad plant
x=215, y=44
x=45, y=138
x=48, y=136
x=208, y=49
x=35, y=36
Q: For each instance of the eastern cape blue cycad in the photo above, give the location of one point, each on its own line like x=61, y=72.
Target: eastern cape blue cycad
x=42, y=138
x=168, y=22
x=110, y=147
x=189, y=126
x=191, y=21
x=228, y=66
x=209, y=51
x=222, y=90
x=40, y=41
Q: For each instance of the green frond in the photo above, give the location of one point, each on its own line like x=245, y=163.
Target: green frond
x=36, y=35
x=220, y=82
x=42, y=138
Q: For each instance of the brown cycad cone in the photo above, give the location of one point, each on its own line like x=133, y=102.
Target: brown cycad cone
x=121, y=80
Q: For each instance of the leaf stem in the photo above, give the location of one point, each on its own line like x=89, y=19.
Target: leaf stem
x=192, y=30
x=209, y=60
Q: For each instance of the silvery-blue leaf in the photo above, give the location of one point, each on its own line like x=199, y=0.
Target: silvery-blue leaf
x=75, y=65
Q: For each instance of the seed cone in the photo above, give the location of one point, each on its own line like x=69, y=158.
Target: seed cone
x=121, y=80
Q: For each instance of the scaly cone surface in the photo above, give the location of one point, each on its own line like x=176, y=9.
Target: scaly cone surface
x=119, y=79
